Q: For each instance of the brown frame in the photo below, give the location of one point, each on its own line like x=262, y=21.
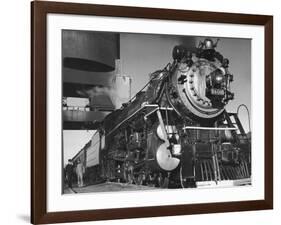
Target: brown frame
x=39, y=11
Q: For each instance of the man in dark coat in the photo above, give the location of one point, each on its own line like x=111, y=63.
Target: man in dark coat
x=69, y=173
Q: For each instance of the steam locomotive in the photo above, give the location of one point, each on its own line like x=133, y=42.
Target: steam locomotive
x=176, y=132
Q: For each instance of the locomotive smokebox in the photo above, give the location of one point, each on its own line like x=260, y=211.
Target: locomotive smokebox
x=199, y=87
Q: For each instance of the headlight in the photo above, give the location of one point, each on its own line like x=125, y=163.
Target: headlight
x=218, y=78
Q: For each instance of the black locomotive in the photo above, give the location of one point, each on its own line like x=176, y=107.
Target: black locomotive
x=177, y=132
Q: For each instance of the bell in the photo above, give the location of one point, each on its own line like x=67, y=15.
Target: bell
x=179, y=52
x=208, y=44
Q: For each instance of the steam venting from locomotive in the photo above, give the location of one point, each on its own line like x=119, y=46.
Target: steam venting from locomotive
x=99, y=91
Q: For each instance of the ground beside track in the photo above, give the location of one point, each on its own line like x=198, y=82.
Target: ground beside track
x=106, y=187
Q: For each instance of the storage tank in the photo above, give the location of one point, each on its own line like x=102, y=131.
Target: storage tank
x=88, y=65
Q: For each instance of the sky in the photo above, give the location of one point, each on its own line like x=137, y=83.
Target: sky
x=142, y=54
x=74, y=141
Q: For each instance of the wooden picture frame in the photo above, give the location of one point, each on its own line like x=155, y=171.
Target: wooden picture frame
x=39, y=11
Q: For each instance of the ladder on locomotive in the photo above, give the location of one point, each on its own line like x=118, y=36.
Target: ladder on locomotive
x=232, y=120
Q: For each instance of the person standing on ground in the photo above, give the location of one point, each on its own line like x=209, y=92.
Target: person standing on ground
x=80, y=172
x=69, y=173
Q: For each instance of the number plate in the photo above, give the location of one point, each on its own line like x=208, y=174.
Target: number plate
x=215, y=91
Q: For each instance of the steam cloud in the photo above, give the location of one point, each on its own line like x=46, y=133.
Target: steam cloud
x=99, y=91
